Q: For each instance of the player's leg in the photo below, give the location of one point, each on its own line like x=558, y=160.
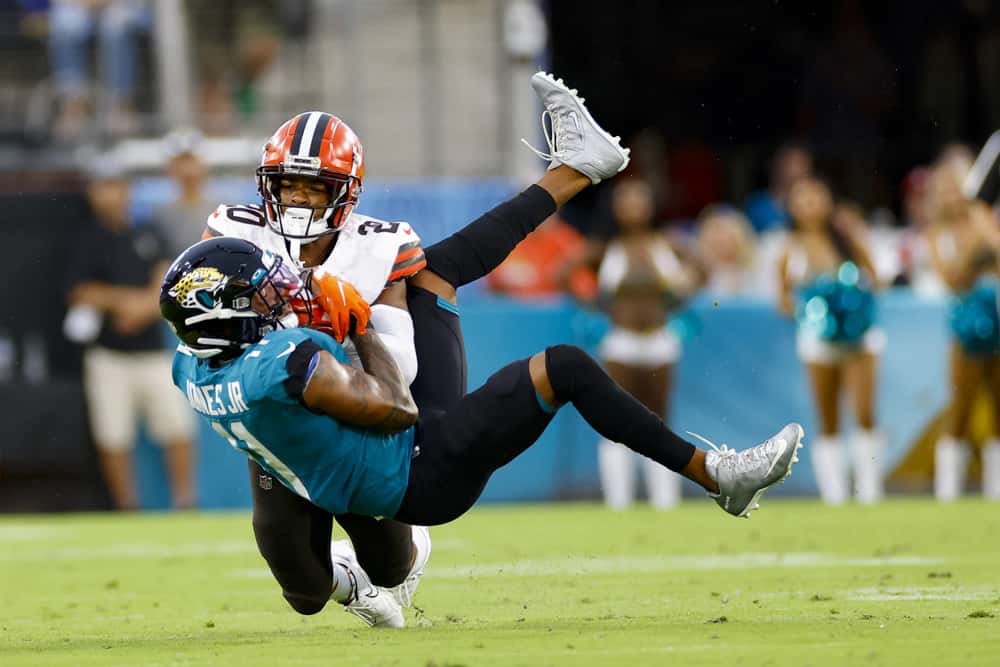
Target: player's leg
x=494, y=424
x=580, y=153
x=392, y=554
x=442, y=373
x=653, y=391
x=397, y=538
x=566, y=374
x=616, y=463
x=387, y=564
x=293, y=536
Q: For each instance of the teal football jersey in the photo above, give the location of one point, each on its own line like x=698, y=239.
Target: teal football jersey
x=339, y=467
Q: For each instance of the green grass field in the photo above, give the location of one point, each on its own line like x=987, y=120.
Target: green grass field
x=906, y=583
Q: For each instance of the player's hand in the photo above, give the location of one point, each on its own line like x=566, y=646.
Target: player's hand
x=342, y=304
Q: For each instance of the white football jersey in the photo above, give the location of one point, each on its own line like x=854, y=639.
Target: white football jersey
x=369, y=253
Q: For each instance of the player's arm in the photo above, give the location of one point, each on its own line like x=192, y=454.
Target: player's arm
x=376, y=397
x=391, y=320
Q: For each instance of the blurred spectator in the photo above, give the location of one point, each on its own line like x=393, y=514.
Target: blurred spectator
x=964, y=244
x=531, y=270
x=916, y=269
x=72, y=23
x=236, y=41
x=641, y=278
x=114, y=308
x=726, y=248
x=877, y=234
x=181, y=221
x=695, y=180
x=766, y=208
x=826, y=276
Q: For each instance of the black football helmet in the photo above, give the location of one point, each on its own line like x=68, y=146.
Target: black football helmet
x=224, y=294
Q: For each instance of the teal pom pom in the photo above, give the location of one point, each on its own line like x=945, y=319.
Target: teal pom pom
x=975, y=320
x=839, y=307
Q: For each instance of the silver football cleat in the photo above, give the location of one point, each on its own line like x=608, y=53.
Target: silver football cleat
x=574, y=137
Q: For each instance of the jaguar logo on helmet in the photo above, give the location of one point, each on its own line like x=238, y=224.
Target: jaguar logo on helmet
x=199, y=288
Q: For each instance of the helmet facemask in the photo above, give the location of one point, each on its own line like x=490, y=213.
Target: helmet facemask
x=219, y=315
x=302, y=222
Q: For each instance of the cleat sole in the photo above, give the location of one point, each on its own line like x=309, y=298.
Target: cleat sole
x=755, y=500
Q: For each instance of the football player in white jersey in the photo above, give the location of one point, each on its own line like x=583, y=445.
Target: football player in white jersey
x=310, y=178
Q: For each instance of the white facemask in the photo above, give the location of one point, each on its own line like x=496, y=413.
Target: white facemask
x=297, y=221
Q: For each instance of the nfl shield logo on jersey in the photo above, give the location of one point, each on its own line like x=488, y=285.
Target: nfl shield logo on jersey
x=265, y=482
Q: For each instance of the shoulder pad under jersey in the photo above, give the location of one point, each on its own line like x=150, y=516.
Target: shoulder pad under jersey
x=371, y=254
x=239, y=220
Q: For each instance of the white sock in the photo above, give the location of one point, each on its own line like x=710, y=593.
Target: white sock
x=991, y=469
x=617, y=466
x=421, y=537
x=867, y=458
x=664, y=485
x=828, y=467
x=951, y=458
x=342, y=549
x=345, y=579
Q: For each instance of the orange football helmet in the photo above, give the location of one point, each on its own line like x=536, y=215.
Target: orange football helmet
x=316, y=145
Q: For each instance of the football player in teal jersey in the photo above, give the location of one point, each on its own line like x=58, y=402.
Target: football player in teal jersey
x=346, y=439
x=310, y=179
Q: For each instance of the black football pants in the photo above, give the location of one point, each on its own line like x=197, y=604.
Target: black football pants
x=294, y=535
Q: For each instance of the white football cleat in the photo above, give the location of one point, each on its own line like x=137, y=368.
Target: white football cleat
x=744, y=476
x=374, y=605
x=422, y=543
x=574, y=138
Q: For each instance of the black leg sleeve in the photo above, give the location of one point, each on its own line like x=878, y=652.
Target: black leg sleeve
x=437, y=335
x=480, y=246
x=384, y=547
x=576, y=378
x=293, y=536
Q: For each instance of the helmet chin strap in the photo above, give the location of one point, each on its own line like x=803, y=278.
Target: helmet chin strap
x=297, y=221
x=289, y=321
x=294, y=251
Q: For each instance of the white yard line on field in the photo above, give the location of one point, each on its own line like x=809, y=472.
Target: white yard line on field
x=646, y=564
x=27, y=552
x=26, y=532
x=578, y=565
x=916, y=593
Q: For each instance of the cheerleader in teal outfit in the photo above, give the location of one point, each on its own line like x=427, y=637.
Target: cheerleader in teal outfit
x=827, y=280
x=964, y=243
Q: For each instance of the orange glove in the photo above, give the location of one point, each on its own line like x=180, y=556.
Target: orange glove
x=336, y=305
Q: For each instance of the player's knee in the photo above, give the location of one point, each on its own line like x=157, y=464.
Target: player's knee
x=568, y=368
x=306, y=604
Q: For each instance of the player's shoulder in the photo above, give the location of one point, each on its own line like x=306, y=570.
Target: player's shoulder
x=396, y=242
x=282, y=342
x=376, y=230
x=240, y=220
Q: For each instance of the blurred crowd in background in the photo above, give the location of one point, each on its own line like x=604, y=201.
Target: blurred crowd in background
x=755, y=129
